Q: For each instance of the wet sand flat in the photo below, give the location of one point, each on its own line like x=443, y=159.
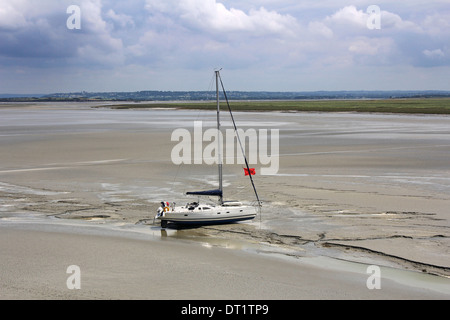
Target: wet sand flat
x=35, y=266
x=372, y=189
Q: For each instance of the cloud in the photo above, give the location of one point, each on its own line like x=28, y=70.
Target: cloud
x=39, y=34
x=435, y=57
x=11, y=18
x=319, y=28
x=391, y=20
x=98, y=44
x=122, y=20
x=349, y=15
x=213, y=16
x=437, y=24
x=352, y=17
x=206, y=33
x=283, y=42
x=399, y=41
x=437, y=53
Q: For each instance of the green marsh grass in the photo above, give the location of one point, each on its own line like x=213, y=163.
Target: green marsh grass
x=409, y=106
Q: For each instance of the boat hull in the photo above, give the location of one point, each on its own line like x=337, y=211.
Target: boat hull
x=217, y=216
x=207, y=221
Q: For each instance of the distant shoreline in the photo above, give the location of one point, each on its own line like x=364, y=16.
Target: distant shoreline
x=436, y=106
x=158, y=96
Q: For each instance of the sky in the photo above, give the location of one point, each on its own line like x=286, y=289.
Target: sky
x=267, y=45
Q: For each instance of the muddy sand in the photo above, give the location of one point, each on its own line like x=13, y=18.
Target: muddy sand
x=351, y=191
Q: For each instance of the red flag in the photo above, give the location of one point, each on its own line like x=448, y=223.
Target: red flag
x=251, y=172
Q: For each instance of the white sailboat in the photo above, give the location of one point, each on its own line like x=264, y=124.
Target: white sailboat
x=197, y=213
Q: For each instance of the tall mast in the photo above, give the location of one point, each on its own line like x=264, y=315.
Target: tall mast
x=239, y=139
x=219, y=146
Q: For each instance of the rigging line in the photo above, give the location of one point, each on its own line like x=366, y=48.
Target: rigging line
x=239, y=140
x=238, y=193
x=176, y=175
x=211, y=88
x=201, y=112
